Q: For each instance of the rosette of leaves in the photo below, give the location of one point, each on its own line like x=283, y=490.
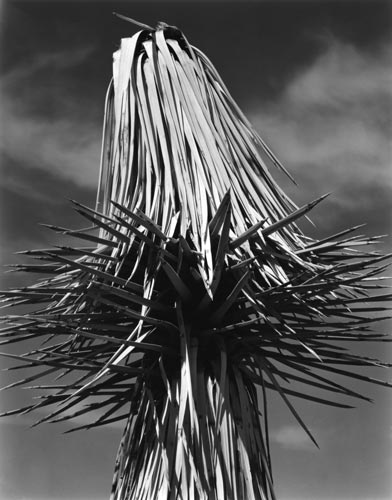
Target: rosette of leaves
x=195, y=294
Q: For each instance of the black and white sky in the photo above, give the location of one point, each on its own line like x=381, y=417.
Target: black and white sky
x=314, y=77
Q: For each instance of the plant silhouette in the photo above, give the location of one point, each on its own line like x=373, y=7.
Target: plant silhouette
x=195, y=293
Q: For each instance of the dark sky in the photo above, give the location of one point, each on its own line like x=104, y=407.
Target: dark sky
x=314, y=78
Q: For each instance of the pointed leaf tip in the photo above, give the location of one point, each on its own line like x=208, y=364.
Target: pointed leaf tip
x=133, y=21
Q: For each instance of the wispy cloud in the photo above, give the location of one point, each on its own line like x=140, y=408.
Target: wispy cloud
x=293, y=437
x=44, y=122
x=331, y=127
x=50, y=139
x=53, y=61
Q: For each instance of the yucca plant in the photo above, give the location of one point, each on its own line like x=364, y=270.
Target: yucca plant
x=196, y=294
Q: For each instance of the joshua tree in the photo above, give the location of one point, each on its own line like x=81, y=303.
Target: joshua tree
x=197, y=293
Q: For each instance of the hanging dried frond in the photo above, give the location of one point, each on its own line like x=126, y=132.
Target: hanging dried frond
x=198, y=292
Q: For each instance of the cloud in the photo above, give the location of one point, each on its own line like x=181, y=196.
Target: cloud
x=50, y=141
x=46, y=121
x=331, y=127
x=293, y=437
x=62, y=146
x=52, y=61
x=30, y=196
x=342, y=74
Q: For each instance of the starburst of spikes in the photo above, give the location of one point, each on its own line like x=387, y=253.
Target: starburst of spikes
x=182, y=362
x=197, y=294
